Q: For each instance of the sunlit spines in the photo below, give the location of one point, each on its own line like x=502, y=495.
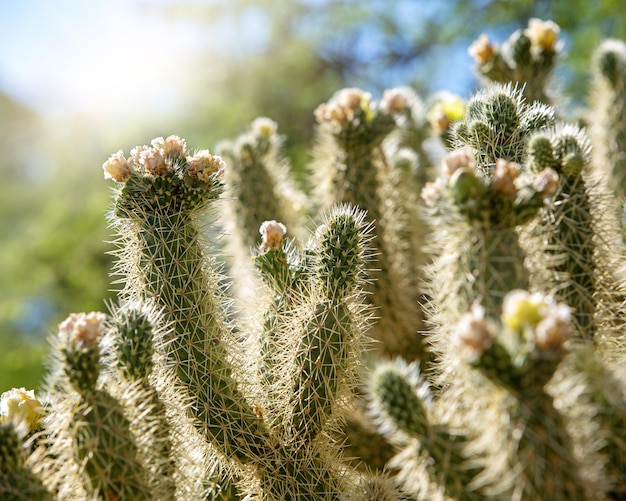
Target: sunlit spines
x=431, y=459
x=520, y=356
x=175, y=270
x=333, y=331
x=350, y=167
x=132, y=347
x=18, y=482
x=497, y=124
x=569, y=225
x=103, y=447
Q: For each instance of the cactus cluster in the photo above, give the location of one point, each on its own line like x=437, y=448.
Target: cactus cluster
x=453, y=327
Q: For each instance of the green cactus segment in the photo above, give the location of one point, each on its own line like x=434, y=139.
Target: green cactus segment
x=356, y=174
x=494, y=262
x=331, y=333
x=17, y=480
x=575, y=236
x=282, y=269
x=256, y=180
x=610, y=61
x=280, y=278
x=300, y=475
x=568, y=224
x=107, y=450
x=320, y=363
x=340, y=259
x=543, y=453
x=521, y=375
x=11, y=451
x=609, y=100
x=400, y=401
x=256, y=200
x=172, y=273
x=605, y=392
x=446, y=447
x=82, y=366
x=134, y=343
x=496, y=363
x=498, y=123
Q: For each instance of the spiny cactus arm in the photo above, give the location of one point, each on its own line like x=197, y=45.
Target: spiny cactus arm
x=399, y=398
x=568, y=224
x=400, y=401
x=608, y=101
x=18, y=482
x=157, y=208
x=527, y=57
x=132, y=340
x=350, y=168
x=280, y=265
x=521, y=358
x=257, y=186
x=477, y=216
x=356, y=129
x=329, y=349
x=104, y=446
x=498, y=123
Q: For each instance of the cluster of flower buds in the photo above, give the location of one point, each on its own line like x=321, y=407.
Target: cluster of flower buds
x=505, y=191
x=347, y=105
x=540, y=317
x=528, y=320
x=79, y=342
x=83, y=329
x=159, y=158
x=528, y=56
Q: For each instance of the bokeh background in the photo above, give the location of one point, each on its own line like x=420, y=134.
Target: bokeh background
x=81, y=79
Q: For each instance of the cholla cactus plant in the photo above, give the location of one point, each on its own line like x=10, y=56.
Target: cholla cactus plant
x=608, y=106
x=351, y=167
x=527, y=57
x=257, y=189
x=515, y=393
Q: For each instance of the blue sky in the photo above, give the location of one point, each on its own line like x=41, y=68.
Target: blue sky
x=98, y=56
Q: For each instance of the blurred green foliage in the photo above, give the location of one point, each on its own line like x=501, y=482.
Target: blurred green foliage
x=52, y=199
